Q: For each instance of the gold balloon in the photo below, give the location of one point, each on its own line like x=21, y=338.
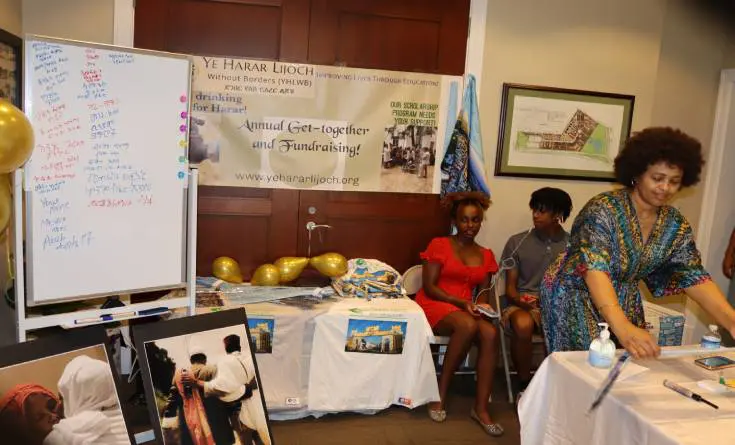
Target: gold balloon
x=6, y=205
x=265, y=275
x=225, y=268
x=16, y=137
x=330, y=264
x=290, y=267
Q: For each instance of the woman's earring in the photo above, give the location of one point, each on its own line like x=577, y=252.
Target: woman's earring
x=632, y=182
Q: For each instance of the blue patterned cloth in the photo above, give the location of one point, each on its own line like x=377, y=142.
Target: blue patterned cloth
x=463, y=166
x=606, y=237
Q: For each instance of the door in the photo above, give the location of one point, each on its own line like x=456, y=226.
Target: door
x=256, y=226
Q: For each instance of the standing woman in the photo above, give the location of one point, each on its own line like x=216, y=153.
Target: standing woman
x=627, y=235
x=453, y=267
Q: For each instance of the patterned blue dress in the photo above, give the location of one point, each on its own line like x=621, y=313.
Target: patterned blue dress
x=606, y=237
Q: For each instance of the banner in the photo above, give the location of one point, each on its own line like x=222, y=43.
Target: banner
x=270, y=124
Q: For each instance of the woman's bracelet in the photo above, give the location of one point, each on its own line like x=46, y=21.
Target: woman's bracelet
x=603, y=306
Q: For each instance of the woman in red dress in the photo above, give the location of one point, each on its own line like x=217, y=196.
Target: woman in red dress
x=453, y=267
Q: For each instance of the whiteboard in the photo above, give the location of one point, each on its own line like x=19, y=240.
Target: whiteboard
x=105, y=188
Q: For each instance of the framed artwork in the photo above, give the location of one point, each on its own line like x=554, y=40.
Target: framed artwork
x=61, y=390
x=559, y=133
x=201, y=380
x=11, y=68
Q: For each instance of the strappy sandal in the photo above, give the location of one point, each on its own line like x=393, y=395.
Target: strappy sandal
x=493, y=429
x=438, y=415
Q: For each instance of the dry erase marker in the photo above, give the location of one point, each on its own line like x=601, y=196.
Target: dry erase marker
x=104, y=317
x=687, y=393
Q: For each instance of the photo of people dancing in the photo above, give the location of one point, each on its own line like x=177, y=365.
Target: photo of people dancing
x=206, y=389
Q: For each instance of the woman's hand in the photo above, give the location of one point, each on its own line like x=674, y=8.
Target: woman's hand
x=527, y=303
x=639, y=343
x=470, y=307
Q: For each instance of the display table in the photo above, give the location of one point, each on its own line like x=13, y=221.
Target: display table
x=638, y=409
x=342, y=355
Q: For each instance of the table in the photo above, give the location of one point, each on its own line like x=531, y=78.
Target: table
x=318, y=365
x=638, y=410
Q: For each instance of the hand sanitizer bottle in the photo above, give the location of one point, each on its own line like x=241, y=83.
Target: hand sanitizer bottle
x=602, y=349
x=712, y=339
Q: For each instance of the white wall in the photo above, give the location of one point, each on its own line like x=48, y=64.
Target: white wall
x=10, y=16
x=86, y=20
x=579, y=44
x=692, y=55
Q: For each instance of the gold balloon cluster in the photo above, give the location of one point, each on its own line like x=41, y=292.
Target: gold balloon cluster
x=16, y=145
x=283, y=270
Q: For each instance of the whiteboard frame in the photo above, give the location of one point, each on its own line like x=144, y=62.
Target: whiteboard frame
x=29, y=39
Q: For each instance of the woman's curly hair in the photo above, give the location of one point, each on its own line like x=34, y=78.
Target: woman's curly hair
x=659, y=144
x=453, y=201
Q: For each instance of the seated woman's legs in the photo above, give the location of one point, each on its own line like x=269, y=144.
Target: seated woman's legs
x=487, y=353
x=521, y=344
x=461, y=328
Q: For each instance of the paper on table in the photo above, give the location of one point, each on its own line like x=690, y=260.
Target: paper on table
x=629, y=370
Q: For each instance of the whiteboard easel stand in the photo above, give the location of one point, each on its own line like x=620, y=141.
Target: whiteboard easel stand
x=24, y=324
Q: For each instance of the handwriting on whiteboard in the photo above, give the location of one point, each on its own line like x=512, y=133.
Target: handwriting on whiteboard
x=81, y=148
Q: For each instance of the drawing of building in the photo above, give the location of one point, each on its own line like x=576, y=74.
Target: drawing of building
x=574, y=137
x=262, y=337
x=373, y=339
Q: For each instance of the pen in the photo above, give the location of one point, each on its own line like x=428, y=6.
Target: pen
x=104, y=317
x=687, y=393
x=610, y=380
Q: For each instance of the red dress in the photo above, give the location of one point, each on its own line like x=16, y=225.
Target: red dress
x=455, y=278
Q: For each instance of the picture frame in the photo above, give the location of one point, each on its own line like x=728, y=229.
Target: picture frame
x=557, y=133
x=11, y=68
x=74, y=370
x=202, y=346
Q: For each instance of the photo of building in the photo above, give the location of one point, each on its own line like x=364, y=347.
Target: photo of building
x=261, y=334
x=375, y=336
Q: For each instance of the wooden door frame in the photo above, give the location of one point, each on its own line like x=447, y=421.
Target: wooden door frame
x=696, y=319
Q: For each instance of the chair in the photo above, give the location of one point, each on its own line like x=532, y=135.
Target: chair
x=412, y=283
x=536, y=340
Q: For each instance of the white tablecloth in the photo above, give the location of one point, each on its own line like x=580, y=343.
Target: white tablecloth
x=638, y=410
x=309, y=373
x=344, y=380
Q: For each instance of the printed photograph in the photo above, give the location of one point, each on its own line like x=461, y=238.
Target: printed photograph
x=408, y=159
x=68, y=398
x=561, y=133
x=375, y=336
x=206, y=388
x=261, y=334
x=10, y=68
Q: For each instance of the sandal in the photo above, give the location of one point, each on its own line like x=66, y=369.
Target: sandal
x=493, y=429
x=438, y=415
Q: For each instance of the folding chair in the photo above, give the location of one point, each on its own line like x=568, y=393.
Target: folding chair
x=536, y=340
